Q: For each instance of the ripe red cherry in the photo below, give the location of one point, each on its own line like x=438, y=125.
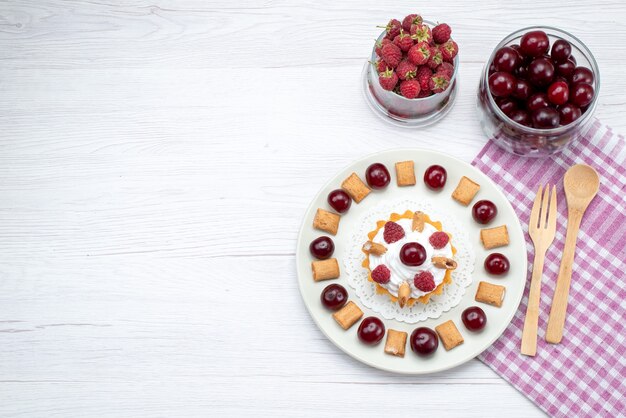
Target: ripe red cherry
x=521, y=116
x=371, y=330
x=413, y=254
x=565, y=69
x=501, y=84
x=568, y=113
x=534, y=43
x=507, y=105
x=377, y=176
x=496, y=264
x=545, y=118
x=334, y=296
x=537, y=101
x=522, y=89
x=521, y=72
x=582, y=94
x=540, y=72
x=484, y=211
x=474, y=318
x=339, y=200
x=506, y=59
x=322, y=247
x=435, y=177
x=424, y=341
x=582, y=75
x=558, y=92
x=561, y=50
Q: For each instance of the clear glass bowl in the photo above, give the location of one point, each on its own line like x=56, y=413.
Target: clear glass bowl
x=523, y=140
x=401, y=111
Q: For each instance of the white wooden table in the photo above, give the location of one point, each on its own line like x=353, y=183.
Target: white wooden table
x=156, y=159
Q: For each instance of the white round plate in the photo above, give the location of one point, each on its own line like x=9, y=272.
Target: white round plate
x=497, y=318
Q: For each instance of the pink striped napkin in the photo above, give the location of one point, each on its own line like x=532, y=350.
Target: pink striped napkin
x=585, y=375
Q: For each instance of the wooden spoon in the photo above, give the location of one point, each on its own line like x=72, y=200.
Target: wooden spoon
x=581, y=184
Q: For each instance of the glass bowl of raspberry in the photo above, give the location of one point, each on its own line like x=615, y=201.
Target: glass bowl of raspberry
x=538, y=91
x=388, y=101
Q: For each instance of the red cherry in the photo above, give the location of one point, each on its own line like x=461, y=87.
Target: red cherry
x=565, y=69
x=568, y=113
x=339, y=200
x=334, y=296
x=484, y=211
x=521, y=72
x=534, y=43
x=474, y=318
x=371, y=330
x=540, y=72
x=522, y=89
x=507, y=105
x=377, y=176
x=582, y=75
x=521, y=116
x=582, y=94
x=506, y=59
x=558, y=92
x=537, y=101
x=424, y=341
x=545, y=118
x=322, y=248
x=561, y=50
x=496, y=264
x=435, y=177
x=413, y=254
x=501, y=84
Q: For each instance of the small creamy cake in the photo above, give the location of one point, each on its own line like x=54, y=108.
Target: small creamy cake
x=409, y=257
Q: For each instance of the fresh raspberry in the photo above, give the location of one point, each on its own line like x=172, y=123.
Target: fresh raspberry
x=445, y=68
x=421, y=33
x=381, y=274
x=441, y=33
x=419, y=53
x=392, y=28
x=449, y=50
x=403, y=41
x=410, y=20
x=436, y=58
x=406, y=70
x=423, y=76
x=391, y=54
x=439, y=82
x=410, y=88
x=381, y=66
x=424, y=93
x=424, y=281
x=388, y=79
x=380, y=44
x=439, y=240
x=392, y=232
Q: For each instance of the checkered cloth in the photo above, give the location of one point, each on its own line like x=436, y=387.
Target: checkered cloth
x=585, y=375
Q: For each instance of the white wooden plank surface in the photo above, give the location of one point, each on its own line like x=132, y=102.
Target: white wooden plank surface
x=155, y=161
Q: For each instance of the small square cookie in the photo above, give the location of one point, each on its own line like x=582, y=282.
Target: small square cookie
x=326, y=221
x=405, y=173
x=348, y=315
x=494, y=237
x=449, y=335
x=465, y=191
x=325, y=269
x=396, y=343
x=491, y=294
x=355, y=187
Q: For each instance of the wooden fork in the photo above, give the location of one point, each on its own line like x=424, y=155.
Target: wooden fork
x=541, y=228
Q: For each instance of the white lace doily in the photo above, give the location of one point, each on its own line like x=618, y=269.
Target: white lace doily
x=381, y=303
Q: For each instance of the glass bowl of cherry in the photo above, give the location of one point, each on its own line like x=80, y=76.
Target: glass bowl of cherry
x=538, y=91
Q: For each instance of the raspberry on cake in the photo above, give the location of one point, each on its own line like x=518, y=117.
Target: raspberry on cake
x=417, y=261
